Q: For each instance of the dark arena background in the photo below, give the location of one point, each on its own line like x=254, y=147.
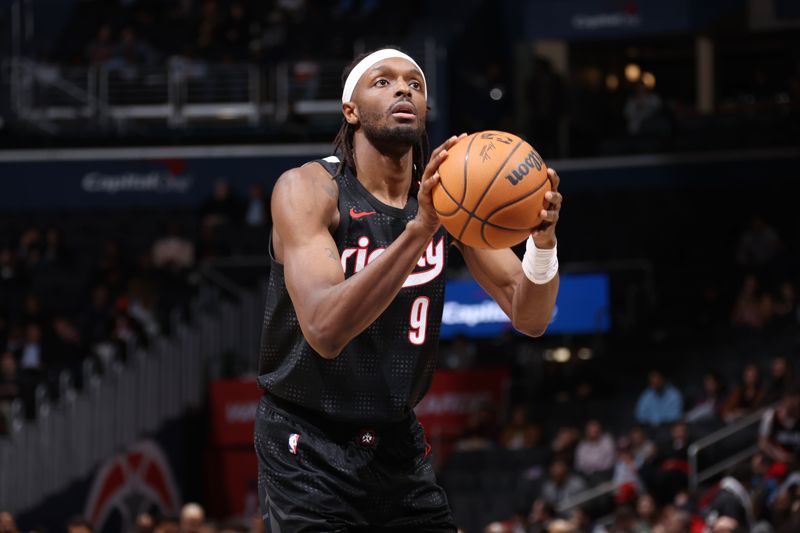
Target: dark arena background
x=139, y=143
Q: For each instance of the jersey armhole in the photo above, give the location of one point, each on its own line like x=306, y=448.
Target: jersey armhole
x=270, y=250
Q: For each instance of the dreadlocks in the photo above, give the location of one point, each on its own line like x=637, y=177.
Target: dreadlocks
x=343, y=142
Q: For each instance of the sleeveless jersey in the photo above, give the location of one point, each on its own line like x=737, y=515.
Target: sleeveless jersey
x=385, y=371
x=775, y=430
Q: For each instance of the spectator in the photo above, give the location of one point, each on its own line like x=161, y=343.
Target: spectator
x=561, y=526
x=142, y=306
x=642, y=106
x=626, y=478
x=733, y=499
x=236, y=33
x=758, y=246
x=785, y=309
x=624, y=521
x=222, y=208
x=480, y=431
x=257, y=213
x=30, y=242
x=9, y=377
x=542, y=513
x=15, y=338
x=192, y=517
x=12, y=281
x=726, y=524
x=168, y=524
x=747, y=397
x=647, y=511
x=660, y=403
x=753, y=307
x=782, y=380
x=764, y=483
x=132, y=52
x=673, y=476
x=709, y=406
x=7, y=523
x=460, y=354
x=561, y=484
x=32, y=310
x=66, y=346
x=32, y=357
x=257, y=523
x=595, y=453
x=643, y=449
x=145, y=523
x=173, y=251
x=55, y=251
x=96, y=320
x=674, y=521
x=79, y=525
x=520, y=433
x=779, y=434
x=564, y=444
x=101, y=49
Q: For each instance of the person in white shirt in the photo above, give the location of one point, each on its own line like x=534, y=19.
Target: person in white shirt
x=595, y=453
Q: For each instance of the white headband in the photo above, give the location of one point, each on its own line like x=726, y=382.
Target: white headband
x=367, y=62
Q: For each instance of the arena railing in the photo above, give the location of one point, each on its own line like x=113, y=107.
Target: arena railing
x=741, y=426
x=696, y=476
x=181, y=92
x=117, y=405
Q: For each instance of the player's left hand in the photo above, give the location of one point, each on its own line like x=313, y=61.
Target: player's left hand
x=544, y=235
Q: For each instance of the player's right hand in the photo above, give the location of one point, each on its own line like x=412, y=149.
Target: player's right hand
x=430, y=177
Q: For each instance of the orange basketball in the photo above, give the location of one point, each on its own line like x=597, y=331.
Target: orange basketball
x=491, y=190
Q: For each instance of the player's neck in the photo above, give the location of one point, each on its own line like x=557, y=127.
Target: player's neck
x=385, y=173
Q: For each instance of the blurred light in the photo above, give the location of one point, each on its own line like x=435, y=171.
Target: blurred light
x=612, y=82
x=649, y=80
x=548, y=355
x=632, y=72
x=561, y=355
x=496, y=94
x=227, y=113
x=585, y=354
x=594, y=76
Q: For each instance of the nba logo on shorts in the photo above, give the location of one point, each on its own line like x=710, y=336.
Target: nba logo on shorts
x=293, y=438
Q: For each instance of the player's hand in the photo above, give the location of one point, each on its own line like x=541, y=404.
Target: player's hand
x=430, y=177
x=544, y=235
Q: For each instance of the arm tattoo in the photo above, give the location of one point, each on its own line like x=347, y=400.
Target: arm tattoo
x=332, y=254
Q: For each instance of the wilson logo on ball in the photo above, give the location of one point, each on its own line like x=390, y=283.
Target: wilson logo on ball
x=531, y=161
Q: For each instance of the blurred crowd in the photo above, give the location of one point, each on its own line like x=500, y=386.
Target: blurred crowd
x=191, y=519
x=129, y=33
x=63, y=306
x=646, y=468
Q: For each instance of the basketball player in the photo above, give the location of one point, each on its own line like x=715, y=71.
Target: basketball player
x=353, y=312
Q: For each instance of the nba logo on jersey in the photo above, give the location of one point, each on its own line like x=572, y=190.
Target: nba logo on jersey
x=367, y=437
x=293, y=438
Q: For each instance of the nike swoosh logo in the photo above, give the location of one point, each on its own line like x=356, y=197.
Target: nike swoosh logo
x=354, y=214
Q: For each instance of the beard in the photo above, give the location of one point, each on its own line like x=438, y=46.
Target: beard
x=380, y=133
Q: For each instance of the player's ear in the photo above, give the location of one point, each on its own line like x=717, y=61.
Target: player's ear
x=350, y=111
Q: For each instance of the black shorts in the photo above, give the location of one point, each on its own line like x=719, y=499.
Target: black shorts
x=316, y=475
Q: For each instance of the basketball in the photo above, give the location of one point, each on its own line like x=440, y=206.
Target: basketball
x=491, y=190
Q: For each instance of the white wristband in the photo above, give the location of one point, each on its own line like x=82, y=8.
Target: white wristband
x=539, y=265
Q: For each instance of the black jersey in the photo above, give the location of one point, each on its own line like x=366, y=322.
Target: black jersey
x=781, y=433
x=385, y=371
